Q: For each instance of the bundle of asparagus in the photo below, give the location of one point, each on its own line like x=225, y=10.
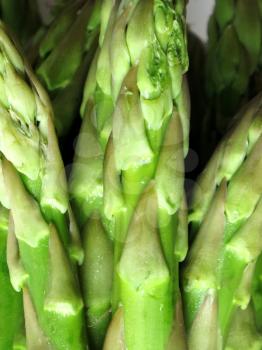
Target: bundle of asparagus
x=127, y=182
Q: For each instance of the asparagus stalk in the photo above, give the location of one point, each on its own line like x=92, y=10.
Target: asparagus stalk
x=128, y=175
x=11, y=311
x=64, y=55
x=226, y=221
x=43, y=245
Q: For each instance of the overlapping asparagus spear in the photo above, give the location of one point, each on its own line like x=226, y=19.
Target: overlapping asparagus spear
x=128, y=175
x=64, y=55
x=219, y=277
x=42, y=245
x=234, y=57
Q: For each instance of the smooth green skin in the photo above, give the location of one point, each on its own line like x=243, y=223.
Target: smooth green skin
x=11, y=307
x=130, y=132
x=219, y=270
x=97, y=277
x=148, y=285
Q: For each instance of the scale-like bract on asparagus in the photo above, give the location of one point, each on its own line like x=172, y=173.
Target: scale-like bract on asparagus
x=219, y=277
x=128, y=176
x=64, y=56
x=43, y=244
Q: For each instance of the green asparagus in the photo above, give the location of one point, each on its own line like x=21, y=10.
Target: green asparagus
x=221, y=296
x=43, y=243
x=234, y=57
x=128, y=175
x=65, y=52
x=11, y=311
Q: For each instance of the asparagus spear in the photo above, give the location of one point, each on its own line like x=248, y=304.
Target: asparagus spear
x=43, y=245
x=226, y=222
x=234, y=57
x=64, y=55
x=11, y=312
x=128, y=174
